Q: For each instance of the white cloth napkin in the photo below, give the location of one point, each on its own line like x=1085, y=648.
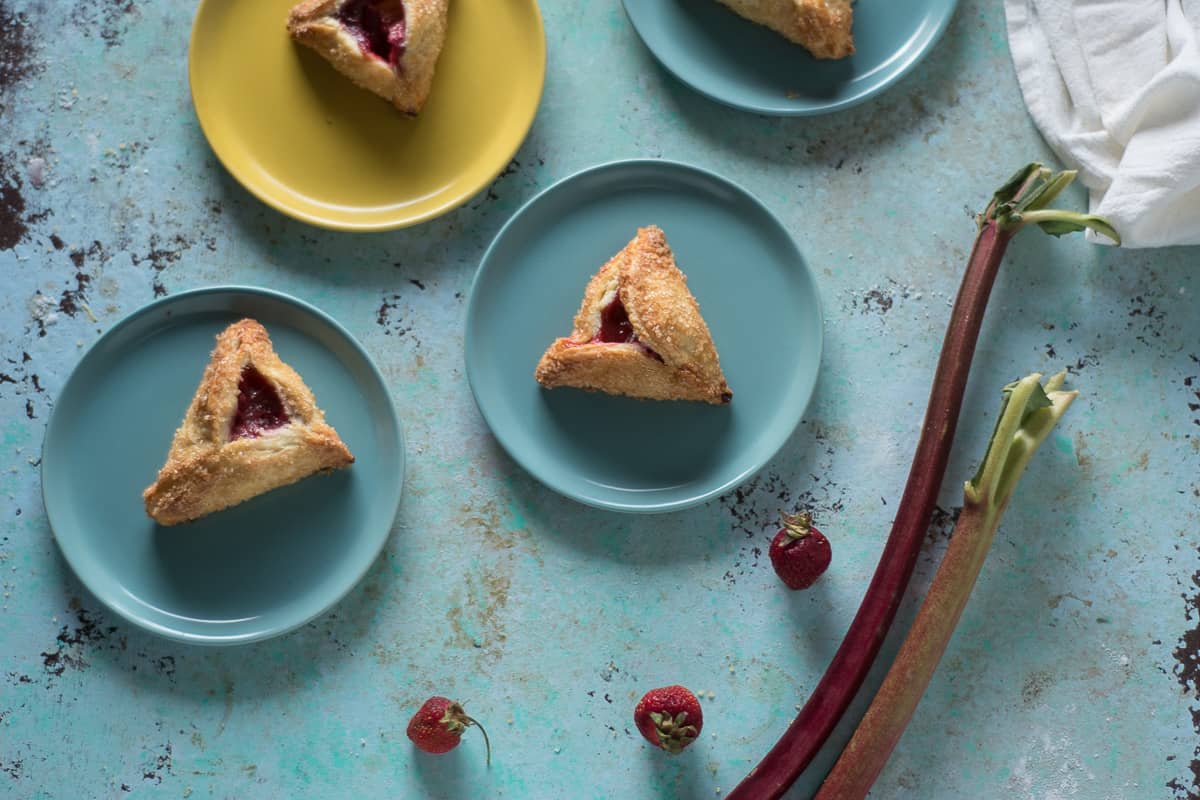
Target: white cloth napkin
x=1114, y=86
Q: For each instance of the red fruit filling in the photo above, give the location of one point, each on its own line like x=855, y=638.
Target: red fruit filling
x=259, y=408
x=379, y=31
x=615, y=326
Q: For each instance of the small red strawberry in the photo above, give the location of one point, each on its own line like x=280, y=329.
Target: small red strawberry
x=799, y=552
x=438, y=726
x=669, y=718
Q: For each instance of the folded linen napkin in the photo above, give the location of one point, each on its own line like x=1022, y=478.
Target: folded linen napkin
x=1114, y=86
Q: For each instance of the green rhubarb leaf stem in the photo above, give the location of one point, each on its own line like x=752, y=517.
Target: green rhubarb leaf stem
x=1028, y=414
x=1025, y=199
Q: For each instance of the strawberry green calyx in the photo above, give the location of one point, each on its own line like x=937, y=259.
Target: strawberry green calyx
x=455, y=720
x=669, y=717
x=674, y=733
x=798, y=526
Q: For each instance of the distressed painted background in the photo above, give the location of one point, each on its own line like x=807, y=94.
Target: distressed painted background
x=1075, y=671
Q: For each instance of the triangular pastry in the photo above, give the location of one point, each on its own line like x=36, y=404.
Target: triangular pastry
x=638, y=332
x=251, y=427
x=821, y=26
x=389, y=47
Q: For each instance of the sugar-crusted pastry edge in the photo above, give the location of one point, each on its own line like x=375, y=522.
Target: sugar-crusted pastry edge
x=823, y=27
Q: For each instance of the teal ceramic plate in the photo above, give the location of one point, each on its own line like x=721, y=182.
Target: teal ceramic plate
x=747, y=66
x=754, y=290
x=249, y=572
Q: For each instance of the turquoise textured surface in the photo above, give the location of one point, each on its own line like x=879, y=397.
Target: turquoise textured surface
x=748, y=66
x=254, y=571
x=1073, y=674
x=755, y=293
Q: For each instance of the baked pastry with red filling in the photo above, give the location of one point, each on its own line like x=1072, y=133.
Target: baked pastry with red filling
x=389, y=47
x=821, y=26
x=253, y=426
x=638, y=332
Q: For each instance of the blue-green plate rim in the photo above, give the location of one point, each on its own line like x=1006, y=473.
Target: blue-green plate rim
x=707, y=494
x=270, y=633
x=810, y=110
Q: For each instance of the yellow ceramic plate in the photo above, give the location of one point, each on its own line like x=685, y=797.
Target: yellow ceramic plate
x=307, y=141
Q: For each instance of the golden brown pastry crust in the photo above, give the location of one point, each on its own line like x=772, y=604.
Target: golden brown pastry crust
x=205, y=471
x=821, y=26
x=314, y=23
x=665, y=319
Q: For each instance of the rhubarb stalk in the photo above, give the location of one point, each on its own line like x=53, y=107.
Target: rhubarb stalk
x=1026, y=418
x=1023, y=200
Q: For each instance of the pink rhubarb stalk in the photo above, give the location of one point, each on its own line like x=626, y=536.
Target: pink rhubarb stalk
x=1027, y=417
x=1021, y=201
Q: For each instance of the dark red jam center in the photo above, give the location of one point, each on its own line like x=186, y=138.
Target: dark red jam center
x=615, y=328
x=259, y=408
x=378, y=31
x=614, y=323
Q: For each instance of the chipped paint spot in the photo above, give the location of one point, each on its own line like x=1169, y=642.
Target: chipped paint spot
x=88, y=633
x=43, y=312
x=1035, y=684
x=72, y=642
x=13, y=225
x=941, y=524
x=73, y=299
x=12, y=768
x=162, y=762
x=1187, y=672
x=16, y=50
x=35, y=170
x=389, y=318
x=161, y=254
x=1192, y=384
x=27, y=383
x=1146, y=319
x=877, y=300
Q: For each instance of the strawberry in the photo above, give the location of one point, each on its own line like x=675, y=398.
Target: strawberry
x=799, y=552
x=669, y=718
x=438, y=726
